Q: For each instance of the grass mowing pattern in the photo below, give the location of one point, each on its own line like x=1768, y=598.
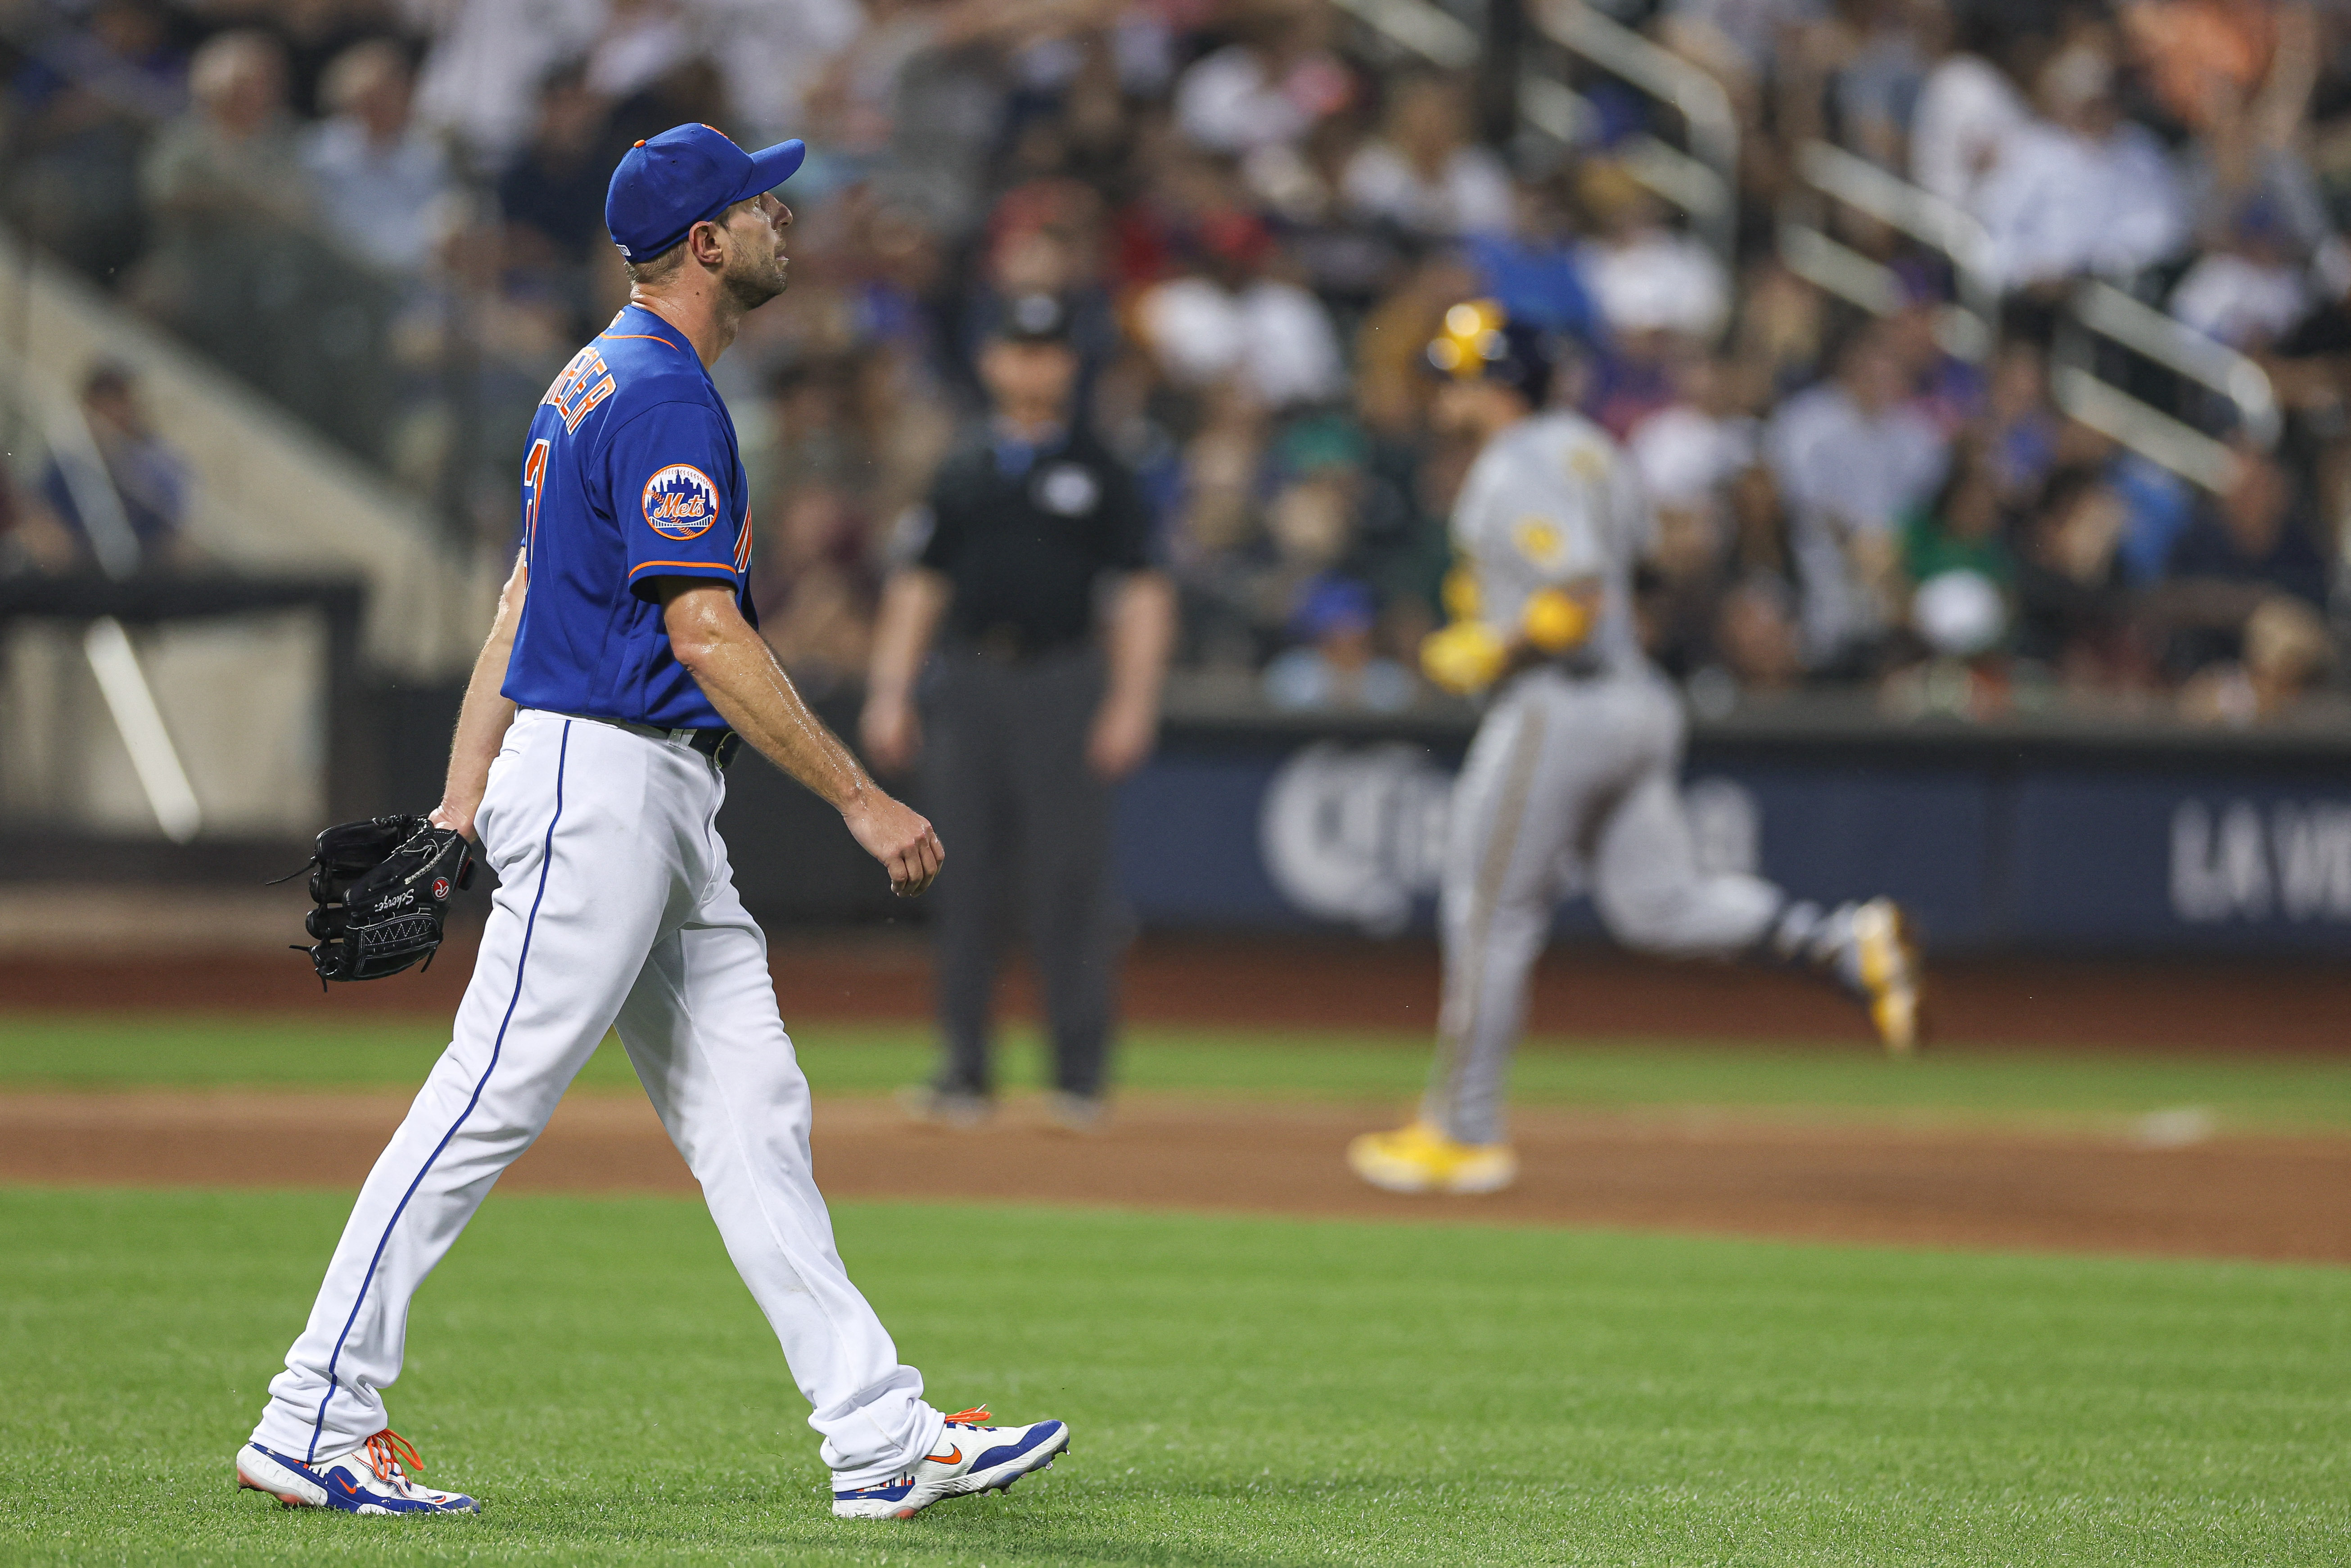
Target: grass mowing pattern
x=1243, y=1392
x=74, y=1050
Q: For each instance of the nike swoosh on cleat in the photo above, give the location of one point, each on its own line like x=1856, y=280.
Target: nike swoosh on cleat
x=952, y=1457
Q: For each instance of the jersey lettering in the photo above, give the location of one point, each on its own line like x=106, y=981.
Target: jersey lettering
x=584, y=383
x=632, y=474
x=534, y=479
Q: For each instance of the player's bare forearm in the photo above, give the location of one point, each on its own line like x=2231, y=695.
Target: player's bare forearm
x=911, y=602
x=1140, y=634
x=736, y=671
x=482, y=719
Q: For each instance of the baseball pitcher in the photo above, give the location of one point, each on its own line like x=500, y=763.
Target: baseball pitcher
x=1574, y=767
x=620, y=677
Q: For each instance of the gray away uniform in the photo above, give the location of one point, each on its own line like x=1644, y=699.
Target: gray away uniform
x=1571, y=780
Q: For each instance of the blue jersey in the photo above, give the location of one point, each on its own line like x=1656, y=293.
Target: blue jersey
x=633, y=475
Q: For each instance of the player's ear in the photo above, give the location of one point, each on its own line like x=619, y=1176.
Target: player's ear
x=705, y=242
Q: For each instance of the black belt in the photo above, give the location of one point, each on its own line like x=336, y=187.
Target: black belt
x=718, y=745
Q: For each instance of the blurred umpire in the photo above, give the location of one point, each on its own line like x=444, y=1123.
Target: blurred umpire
x=1053, y=632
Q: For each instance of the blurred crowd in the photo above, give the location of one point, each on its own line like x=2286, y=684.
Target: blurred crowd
x=388, y=214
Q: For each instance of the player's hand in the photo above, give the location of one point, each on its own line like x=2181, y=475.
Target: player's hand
x=457, y=816
x=891, y=733
x=900, y=838
x=1463, y=658
x=1122, y=735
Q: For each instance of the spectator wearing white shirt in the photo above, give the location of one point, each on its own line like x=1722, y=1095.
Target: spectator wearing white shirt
x=643, y=41
x=480, y=80
x=1690, y=455
x=2080, y=189
x=2246, y=291
x=1850, y=456
x=1268, y=91
x=1967, y=107
x=1646, y=277
x=1424, y=174
x=383, y=184
x=773, y=53
x=1234, y=320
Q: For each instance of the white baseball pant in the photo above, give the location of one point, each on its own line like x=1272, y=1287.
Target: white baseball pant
x=615, y=905
x=1566, y=773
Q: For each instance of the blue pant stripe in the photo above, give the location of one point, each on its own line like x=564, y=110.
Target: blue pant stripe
x=546, y=854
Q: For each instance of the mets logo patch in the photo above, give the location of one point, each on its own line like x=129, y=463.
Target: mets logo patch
x=681, y=503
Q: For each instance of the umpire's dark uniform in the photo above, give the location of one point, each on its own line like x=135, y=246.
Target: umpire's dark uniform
x=1027, y=536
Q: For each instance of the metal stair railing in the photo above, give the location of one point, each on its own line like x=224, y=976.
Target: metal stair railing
x=2098, y=310
x=1702, y=183
x=1434, y=34
x=2094, y=311
x=1969, y=328
x=39, y=407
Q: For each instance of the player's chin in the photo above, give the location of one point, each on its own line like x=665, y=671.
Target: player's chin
x=751, y=291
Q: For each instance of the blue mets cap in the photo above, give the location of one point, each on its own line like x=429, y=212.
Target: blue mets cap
x=686, y=175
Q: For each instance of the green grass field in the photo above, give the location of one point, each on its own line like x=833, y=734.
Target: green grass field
x=1241, y=1392
x=1950, y=1081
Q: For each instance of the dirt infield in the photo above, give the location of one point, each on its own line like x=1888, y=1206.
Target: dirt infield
x=2206, y=1005
x=2276, y=1198
x=2286, y=1198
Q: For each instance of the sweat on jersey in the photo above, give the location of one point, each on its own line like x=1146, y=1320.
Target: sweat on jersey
x=633, y=475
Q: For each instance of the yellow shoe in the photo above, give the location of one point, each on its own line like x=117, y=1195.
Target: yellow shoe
x=1887, y=958
x=1420, y=1158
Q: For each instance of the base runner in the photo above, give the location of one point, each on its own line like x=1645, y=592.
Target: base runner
x=1575, y=763
x=619, y=679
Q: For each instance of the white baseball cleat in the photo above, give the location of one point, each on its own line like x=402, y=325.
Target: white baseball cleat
x=971, y=1458
x=370, y=1479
